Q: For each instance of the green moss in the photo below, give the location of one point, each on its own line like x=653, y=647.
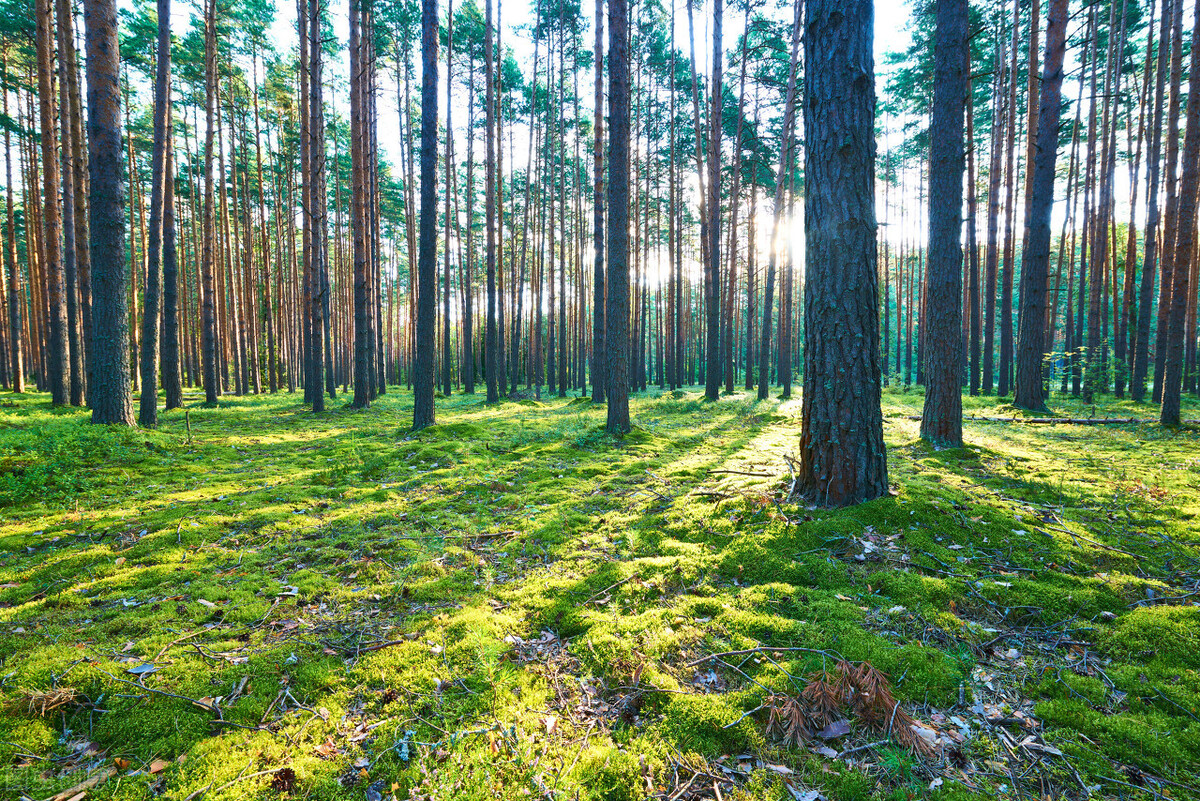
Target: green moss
x=515, y=563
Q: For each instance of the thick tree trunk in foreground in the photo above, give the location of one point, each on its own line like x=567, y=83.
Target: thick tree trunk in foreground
x=941, y=417
x=427, y=246
x=148, y=407
x=616, y=334
x=493, y=368
x=843, y=460
x=1189, y=199
x=1035, y=261
x=109, y=391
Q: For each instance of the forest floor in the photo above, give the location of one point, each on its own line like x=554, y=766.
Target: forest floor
x=257, y=603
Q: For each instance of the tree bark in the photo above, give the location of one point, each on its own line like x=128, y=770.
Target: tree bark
x=843, y=460
x=1035, y=261
x=110, y=392
x=1189, y=199
x=148, y=405
x=616, y=333
x=941, y=416
x=423, y=410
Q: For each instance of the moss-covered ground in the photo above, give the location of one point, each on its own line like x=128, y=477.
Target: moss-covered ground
x=256, y=602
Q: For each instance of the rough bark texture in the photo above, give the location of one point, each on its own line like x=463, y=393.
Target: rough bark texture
x=148, y=407
x=1035, y=261
x=427, y=246
x=109, y=392
x=1189, y=199
x=616, y=334
x=941, y=416
x=843, y=460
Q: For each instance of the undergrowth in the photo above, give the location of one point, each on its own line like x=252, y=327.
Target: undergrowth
x=514, y=603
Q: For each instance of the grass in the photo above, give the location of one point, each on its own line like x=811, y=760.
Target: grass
x=509, y=603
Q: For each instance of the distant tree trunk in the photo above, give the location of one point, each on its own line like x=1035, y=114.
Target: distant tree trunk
x=1003, y=384
x=172, y=378
x=843, y=461
x=363, y=342
x=423, y=410
x=712, y=263
x=319, y=339
x=56, y=363
x=208, y=332
x=941, y=417
x=995, y=179
x=1189, y=200
x=599, y=370
x=785, y=161
x=72, y=202
x=110, y=396
x=493, y=366
x=1171, y=217
x=1154, y=243
x=616, y=333
x=974, y=322
x=1035, y=262
x=148, y=407
x=16, y=337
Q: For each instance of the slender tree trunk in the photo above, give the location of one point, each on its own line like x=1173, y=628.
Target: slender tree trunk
x=1189, y=200
x=423, y=409
x=616, y=333
x=1035, y=261
x=16, y=329
x=148, y=406
x=1154, y=243
x=712, y=263
x=56, y=363
x=785, y=164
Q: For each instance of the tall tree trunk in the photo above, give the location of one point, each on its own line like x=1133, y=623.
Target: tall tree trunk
x=785, y=166
x=172, y=378
x=363, y=342
x=843, y=461
x=57, y=365
x=493, y=366
x=941, y=416
x=423, y=410
x=148, y=406
x=1035, y=261
x=208, y=336
x=616, y=334
x=17, y=336
x=599, y=371
x=1189, y=200
x=1154, y=243
x=712, y=262
x=110, y=393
